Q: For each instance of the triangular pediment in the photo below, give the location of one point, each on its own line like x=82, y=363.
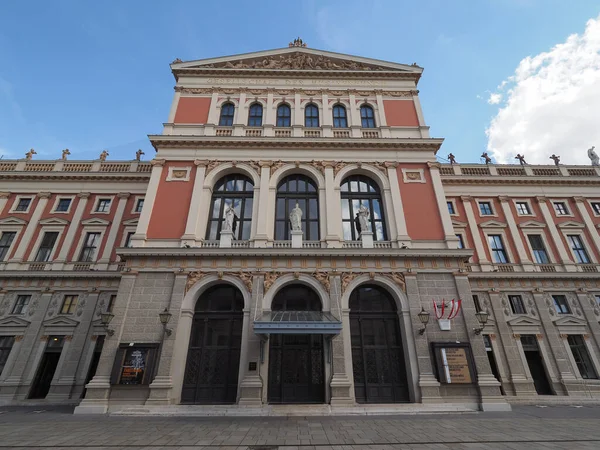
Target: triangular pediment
x=524, y=321
x=13, y=321
x=571, y=224
x=54, y=221
x=60, y=321
x=11, y=220
x=459, y=224
x=296, y=58
x=95, y=221
x=130, y=222
x=570, y=320
x=532, y=224
x=492, y=224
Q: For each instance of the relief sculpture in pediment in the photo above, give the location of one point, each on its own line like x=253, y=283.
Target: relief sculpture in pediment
x=295, y=61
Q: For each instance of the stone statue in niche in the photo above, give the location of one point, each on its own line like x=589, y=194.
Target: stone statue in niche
x=362, y=219
x=593, y=156
x=230, y=219
x=296, y=218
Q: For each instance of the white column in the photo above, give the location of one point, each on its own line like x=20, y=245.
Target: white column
x=327, y=119
x=261, y=238
x=401, y=231
x=213, y=112
x=114, y=229
x=479, y=248
x=381, y=109
x=354, y=113
x=440, y=196
x=512, y=226
x=138, y=239
x=4, y=196
x=73, y=226
x=335, y=234
x=31, y=226
x=580, y=202
x=196, y=214
x=562, y=251
x=269, y=115
x=174, y=106
x=298, y=116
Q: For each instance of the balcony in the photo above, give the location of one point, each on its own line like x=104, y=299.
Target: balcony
x=253, y=132
x=35, y=266
x=312, y=133
x=589, y=268
x=546, y=267
x=341, y=134
x=370, y=134
x=224, y=132
x=281, y=133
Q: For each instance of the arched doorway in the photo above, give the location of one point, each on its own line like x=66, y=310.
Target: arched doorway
x=378, y=361
x=213, y=360
x=296, y=367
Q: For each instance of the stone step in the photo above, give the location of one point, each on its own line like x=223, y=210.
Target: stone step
x=292, y=410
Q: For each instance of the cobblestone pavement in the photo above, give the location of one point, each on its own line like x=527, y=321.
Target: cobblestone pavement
x=527, y=427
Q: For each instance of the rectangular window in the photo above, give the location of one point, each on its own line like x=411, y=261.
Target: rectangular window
x=485, y=208
x=451, y=207
x=139, y=205
x=523, y=209
x=461, y=243
x=516, y=304
x=128, y=239
x=6, y=343
x=111, y=303
x=21, y=304
x=538, y=248
x=69, y=304
x=598, y=300
x=63, y=205
x=498, y=252
x=596, y=208
x=578, y=249
x=88, y=252
x=103, y=205
x=561, y=209
x=5, y=241
x=23, y=204
x=582, y=356
x=477, y=303
x=561, y=305
x=45, y=250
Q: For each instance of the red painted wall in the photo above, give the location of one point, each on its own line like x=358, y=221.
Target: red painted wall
x=192, y=110
x=400, y=113
x=172, y=204
x=423, y=220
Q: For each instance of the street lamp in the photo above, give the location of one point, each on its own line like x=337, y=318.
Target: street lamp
x=165, y=317
x=105, y=318
x=482, y=318
x=424, y=318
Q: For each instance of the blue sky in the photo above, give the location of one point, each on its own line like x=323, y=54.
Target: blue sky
x=95, y=75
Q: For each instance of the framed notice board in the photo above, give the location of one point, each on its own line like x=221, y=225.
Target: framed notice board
x=135, y=364
x=454, y=362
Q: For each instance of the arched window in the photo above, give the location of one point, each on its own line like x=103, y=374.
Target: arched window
x=301, y=189
x=236, y=190
x=367, y=116
x=255, y=116
x=359, y=190
x=339, y=117
x=226, y=119
x=284, y=115
x=311, y=115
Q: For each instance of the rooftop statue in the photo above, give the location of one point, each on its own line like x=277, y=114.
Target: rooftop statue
x=556, y=159
x=521, y=159
x=451, y=158
x=30, y=154
x=103, y=155
x=485, y=156
x=593, y=156
x=65, y=153
x=138, y=155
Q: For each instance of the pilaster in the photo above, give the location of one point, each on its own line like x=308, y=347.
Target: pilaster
x=114, y=228
x=489, y=387
x=402, y=236
x=440, y=196
x=334, y=235
x=4, y=196
x=261, y=238
x=73, y=227
x=474, y=230
x=31, y=227
x=139, y=238
x=196, y=214
x=342, y=386
x=556, y=237
x=589, y=224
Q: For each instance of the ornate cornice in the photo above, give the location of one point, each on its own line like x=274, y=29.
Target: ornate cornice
x=170, y=141
x=4, y=194
x=498, y=180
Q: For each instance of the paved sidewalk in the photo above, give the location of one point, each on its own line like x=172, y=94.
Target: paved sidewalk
x=527, y=427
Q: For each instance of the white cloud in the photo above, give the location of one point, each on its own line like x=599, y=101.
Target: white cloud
x=495, y=98
x=552, y=104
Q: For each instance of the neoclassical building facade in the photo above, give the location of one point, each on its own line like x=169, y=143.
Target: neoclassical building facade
x=183, y=282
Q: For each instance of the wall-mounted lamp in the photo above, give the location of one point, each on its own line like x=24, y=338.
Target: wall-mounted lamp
x=424, y=318
x=105, y=318
x=165, y=317
x=482, y=318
